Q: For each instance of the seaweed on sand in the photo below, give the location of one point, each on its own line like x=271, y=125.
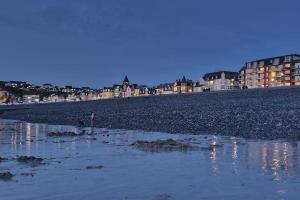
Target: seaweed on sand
x=31, y=160
x=163, y=145
x=6, y=176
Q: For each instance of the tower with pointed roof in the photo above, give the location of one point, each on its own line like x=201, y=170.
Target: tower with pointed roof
x=126, y=87
x=126, y=80
x=125, y=83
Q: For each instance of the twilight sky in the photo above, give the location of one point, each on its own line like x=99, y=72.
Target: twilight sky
x=97, y=42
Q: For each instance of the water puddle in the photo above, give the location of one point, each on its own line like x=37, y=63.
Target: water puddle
x=40, y=161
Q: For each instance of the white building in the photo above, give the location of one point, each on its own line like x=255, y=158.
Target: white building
x=31, y=98
x=223, y=80
x=54, y=98
x=198, y=87
x=72, y=97
x=89, y=96
x=166, y=88
x=117, y=90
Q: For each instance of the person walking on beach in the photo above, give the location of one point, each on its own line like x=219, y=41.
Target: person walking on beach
x=92, y=119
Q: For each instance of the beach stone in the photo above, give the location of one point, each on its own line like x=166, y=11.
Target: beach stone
x=163, y=145
x=6, y=176
x=257, y=113
x=65, y=133
x=31, y=160
x=94, y=167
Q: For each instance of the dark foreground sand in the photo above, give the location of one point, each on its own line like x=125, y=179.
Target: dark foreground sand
x=266, y=114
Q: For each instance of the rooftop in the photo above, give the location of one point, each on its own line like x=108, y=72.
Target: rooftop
x=228, y=74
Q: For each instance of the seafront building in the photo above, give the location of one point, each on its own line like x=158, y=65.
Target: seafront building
x=117, y=90
x=53, y=98
x=162, y=89
x=271, y=72
x=222, y=80
x=107, y=93
x=263, y=73
x=135, y=90
x=199, y=87
x=89, y=96
x=183, y=86
x=146, y=91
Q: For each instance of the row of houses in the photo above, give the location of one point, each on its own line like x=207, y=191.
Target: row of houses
x=126, y=89
x=21, y=92
x=8, y=98
x=263, y=73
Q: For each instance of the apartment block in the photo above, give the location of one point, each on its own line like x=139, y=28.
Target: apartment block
x=271, y=72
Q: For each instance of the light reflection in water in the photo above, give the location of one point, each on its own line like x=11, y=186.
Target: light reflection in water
x=234, y=156
x=273, y=157
x=276, y=158
x=213, y=156
x=28, y=138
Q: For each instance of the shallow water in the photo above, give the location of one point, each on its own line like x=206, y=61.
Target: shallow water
x=240, y=169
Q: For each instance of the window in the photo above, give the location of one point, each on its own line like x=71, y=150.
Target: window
x=254, y=64
x=296, y=57
x=261, y=63
x=276, y=61
x=287, y=59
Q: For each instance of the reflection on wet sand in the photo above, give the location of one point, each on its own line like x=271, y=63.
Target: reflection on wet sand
x=213, y=156
x=280, y=158
x=219, y=157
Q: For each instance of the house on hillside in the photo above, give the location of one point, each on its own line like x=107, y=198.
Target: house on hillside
x=4, y=95
x=16, y=84
x=68, y=89
x=31, y=98
x=54, y=98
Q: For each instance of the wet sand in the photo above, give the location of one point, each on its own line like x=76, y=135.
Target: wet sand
x=106, y=164
x=261, y=113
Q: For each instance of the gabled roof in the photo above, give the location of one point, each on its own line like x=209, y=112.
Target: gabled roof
x=117, y=86
x=163, y=85
x=228, y=74
x=183, y=80
x=126, y=80
x=198, y=84
x=107, y=88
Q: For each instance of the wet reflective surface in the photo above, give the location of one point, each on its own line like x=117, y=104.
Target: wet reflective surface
x=233, y=169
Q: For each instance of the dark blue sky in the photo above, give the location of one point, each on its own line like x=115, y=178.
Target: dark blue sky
x=97, y=42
